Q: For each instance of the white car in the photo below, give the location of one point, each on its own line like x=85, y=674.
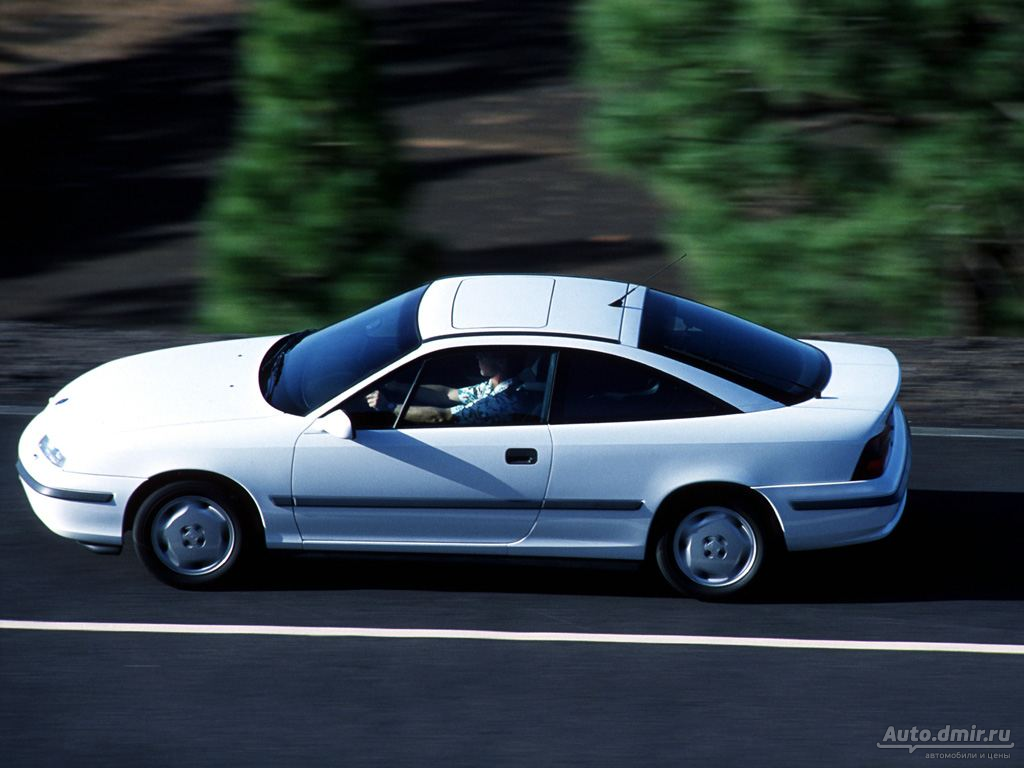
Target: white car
x=506, y=415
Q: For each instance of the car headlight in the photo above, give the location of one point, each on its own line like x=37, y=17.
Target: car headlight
x=51, y=452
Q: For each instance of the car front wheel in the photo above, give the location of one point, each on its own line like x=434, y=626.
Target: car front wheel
x=189, y=534
x=711, y=550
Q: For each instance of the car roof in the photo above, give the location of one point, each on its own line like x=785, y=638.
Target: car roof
x=535, y=304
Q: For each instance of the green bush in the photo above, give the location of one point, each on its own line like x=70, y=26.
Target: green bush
x=827, y=164
x=305, y=224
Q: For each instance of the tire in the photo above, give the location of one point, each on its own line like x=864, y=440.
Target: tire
x=711, y=550
x=190, y=534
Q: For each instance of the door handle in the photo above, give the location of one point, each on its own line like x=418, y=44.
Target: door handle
x=521, y=456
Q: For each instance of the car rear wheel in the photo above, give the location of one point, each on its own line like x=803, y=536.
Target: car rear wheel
x=189, y=533
x=711, y=550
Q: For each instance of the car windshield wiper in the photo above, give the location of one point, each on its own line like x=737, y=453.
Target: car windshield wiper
x=276, y=362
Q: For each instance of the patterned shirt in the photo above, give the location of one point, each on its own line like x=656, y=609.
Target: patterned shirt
x=487, y=403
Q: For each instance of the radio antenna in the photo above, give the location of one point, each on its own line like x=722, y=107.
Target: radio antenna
x=621, y=301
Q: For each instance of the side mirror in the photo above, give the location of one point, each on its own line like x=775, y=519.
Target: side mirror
x=337, y=424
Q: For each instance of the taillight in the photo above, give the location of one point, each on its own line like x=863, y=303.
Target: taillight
x=872, y=459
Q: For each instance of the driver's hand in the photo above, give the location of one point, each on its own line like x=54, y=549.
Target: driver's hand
x=374, y=399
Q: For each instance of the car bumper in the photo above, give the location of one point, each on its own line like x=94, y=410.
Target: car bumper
x=838, y=514
x=86, y=508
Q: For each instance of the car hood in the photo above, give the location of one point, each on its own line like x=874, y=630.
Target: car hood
x=216, y=381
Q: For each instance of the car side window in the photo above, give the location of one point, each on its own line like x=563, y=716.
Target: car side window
x=592, y=387
x=375, y=406
x=474, y=386
x=480, y=386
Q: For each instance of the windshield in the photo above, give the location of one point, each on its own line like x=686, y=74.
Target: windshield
x=755, y=357
x=302, y=372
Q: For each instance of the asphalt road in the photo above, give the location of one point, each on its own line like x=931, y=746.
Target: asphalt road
x=950, y=573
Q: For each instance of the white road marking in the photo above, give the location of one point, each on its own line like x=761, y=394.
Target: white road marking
x=529, y=637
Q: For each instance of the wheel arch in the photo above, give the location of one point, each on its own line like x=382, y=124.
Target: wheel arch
x=249, y=508
x=697, y=493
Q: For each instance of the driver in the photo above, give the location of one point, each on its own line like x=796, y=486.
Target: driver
x=494, y=400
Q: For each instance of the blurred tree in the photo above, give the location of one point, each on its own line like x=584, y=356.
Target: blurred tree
x=828, y=164
x=305, y=224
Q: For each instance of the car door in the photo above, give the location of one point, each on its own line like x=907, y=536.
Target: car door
x=455, y=481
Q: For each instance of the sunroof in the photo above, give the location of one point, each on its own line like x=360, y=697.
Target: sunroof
x=513, y=302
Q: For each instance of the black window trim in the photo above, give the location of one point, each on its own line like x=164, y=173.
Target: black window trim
x=554, y=354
